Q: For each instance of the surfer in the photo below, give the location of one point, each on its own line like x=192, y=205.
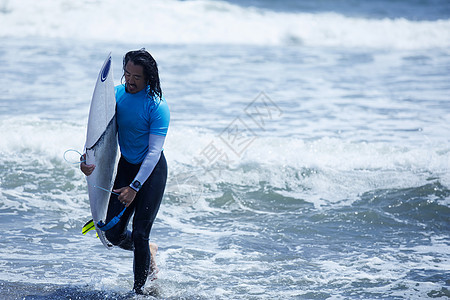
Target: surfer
x=142, y=116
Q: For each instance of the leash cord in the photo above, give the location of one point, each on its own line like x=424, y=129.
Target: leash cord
x=83, y=161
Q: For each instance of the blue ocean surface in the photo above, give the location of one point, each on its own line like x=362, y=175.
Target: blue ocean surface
x=308, y=150
x=408, y=9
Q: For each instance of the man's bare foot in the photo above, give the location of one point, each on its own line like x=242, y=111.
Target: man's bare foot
x=153, y=267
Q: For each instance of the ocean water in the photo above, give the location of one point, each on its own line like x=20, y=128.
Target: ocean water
x=308, y=150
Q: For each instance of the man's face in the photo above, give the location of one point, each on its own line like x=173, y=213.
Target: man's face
x=134, y=78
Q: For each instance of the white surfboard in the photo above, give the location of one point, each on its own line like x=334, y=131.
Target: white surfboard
x=101, y=146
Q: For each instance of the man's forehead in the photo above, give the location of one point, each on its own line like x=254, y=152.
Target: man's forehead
x=134, y=69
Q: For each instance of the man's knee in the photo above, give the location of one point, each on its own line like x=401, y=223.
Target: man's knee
x=140, y=237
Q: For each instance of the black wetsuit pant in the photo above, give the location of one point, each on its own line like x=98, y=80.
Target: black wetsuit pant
x=145, y=207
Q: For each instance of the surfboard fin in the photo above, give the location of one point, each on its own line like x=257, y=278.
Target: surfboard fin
x=88, y=227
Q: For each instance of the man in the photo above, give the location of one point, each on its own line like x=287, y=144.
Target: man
x=142, y=116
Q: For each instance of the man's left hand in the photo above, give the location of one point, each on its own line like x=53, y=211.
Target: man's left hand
x=126, y=195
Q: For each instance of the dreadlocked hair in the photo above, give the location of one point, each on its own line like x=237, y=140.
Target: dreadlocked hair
x=143, y=58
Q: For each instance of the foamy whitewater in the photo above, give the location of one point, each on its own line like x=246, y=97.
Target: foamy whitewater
x=308, y=150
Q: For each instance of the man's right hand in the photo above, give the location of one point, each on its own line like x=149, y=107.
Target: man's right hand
x=86, y=169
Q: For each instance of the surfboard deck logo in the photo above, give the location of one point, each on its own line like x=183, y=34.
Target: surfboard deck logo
x=105, y=70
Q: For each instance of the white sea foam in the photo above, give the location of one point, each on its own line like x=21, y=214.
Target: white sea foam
x=327, y=169
x=44, y=139
x=321, y=171
x=211, y=22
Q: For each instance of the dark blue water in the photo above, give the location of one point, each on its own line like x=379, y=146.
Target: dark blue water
x=378, y=9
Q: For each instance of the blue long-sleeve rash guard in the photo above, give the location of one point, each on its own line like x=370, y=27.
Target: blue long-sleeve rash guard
x=142, y=124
